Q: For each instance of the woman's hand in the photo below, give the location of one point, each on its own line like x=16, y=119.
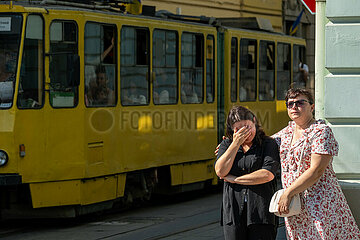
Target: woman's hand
x=217, y=147
x=284, y=203
x=230, y=178
x=241, y=135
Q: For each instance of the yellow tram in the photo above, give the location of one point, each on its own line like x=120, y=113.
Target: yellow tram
x=99, y=107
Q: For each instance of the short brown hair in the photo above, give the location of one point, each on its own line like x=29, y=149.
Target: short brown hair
x=294, y=92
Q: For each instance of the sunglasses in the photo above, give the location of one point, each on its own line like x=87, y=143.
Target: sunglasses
x=299, y=103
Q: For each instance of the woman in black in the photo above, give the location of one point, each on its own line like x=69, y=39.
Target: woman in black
x=247, y=161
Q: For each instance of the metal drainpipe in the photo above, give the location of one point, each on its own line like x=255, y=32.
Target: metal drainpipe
x=320, y=70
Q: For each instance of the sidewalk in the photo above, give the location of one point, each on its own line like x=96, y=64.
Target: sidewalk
x=214, y=231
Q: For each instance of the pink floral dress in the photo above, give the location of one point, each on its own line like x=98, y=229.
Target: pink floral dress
x=325, y=213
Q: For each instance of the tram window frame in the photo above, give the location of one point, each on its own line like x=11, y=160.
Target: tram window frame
x=267, y=66
x=100, y=55
x=283, y=69
x=165, y=92
x=234, y=55
x=192, y=86
x=210, y=69
x=31, y=103
x=298, y=56
x=248, y=84
x=140, y=50
x=67, y=95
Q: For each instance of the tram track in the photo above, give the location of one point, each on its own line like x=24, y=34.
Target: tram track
x=169, y=227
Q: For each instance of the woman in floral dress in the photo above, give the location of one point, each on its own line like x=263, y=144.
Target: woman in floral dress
x=307, y=147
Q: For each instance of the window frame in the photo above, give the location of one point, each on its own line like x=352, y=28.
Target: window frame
x=77, y=96
x=149, y=55
x=288, y=44
x=210, y=37
x=269, y=42
x=202, y=60
x=256, y=68
x=101, y=63
x=236, y=64
x=24, y=24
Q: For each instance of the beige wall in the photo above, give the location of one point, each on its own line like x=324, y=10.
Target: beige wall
x=269, y=9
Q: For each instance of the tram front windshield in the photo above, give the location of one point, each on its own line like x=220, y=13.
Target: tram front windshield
x=10, y=32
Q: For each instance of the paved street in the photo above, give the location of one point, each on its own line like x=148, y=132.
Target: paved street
x=190, y=217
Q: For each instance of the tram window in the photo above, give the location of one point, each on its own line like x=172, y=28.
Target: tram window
x=266, y=73
x=248, y=53
x=283, y=69
x=192, y=67
x=134, y=60
x=10, y=35
x=299, y=80
x=210, y=66
x=234, y=73
x=31, y=91
x=100, y=65
x=165, y=67
x=64, y=64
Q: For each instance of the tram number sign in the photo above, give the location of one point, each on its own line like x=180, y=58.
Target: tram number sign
x=310, y=5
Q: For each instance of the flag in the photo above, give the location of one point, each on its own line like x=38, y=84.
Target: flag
x=295, y=25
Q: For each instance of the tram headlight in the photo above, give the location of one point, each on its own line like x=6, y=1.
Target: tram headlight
x=3, y=158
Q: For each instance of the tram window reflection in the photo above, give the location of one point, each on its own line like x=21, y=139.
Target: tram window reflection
x=134, y=61
x=248, y=53
x=234, y=72
x=100, y=65
x=30, y=93
x=63, y=46
x=192, y=68
x=283, y=69
x=9, y=51
x=210, y=67
x=165, y=67
x=267, y=71
x=299, y=80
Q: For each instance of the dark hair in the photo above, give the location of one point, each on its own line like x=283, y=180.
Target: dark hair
x=294, y=92
x=239, y=113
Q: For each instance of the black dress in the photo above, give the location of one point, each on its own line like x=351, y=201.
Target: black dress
x=254, y=198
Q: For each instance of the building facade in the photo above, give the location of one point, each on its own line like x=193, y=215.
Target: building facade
x=337, y=84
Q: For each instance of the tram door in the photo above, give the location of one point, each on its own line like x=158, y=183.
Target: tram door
x=63, y=117
x=29, y=120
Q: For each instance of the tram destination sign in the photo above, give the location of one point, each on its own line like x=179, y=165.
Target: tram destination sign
x=310, y=5
x=5, y=24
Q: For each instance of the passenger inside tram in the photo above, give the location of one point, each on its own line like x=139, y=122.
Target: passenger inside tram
x=98, y=92
x=188, y=94
x=7, y=78
x=161, y=94
x=6, y=68
x=131, y=96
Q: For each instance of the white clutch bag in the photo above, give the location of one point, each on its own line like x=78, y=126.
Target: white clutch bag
x=294, y=208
